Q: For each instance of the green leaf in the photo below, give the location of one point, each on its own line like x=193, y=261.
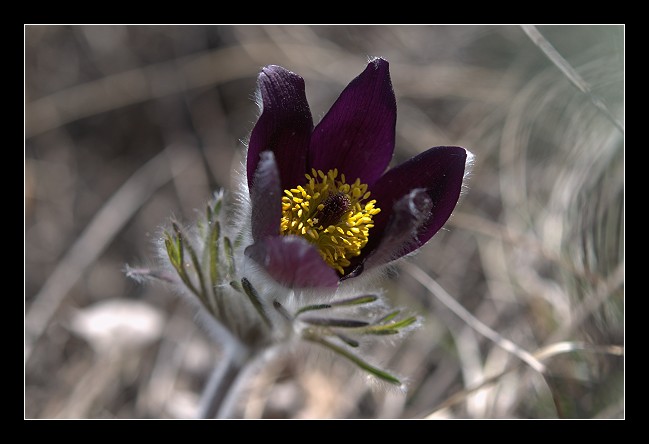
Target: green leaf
x=281, y=310
x=172, y=251
x=403, y=323
x=381, y=332
x=388, y=329
x=312, y=307
x=381, y=374
x=237, y=286
x=198, y=269
x=213, y=261
x=347, y=340
x=180, y=268
x=333, y=322
x=229, y=255
x=388, y=317
x=213, y=247
x=255, y=300
x=200, y=227
x=238, y=241
x=216, y=208
x=358, y=300
x=208, y=214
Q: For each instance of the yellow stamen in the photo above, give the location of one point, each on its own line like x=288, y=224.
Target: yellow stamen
x=328, y=204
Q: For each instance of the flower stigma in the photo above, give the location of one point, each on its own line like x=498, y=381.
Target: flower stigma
x=330, y=213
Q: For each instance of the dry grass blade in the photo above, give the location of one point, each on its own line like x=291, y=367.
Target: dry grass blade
x=572, y=75
x=542, y=354
x=436, y=290
x=566, y=347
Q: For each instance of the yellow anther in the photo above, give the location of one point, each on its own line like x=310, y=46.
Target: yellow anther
x=326, y=203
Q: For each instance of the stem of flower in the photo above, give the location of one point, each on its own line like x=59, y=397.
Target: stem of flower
x=219, y=393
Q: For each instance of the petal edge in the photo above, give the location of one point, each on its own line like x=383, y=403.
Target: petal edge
x=284, y=126
x=266, y=198
x=357, y=135
x=440, y=171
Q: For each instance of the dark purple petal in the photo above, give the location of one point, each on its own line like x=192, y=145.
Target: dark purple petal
x=266, y=198
x=357, y=134
x=409, y=214
x=439, y=171
x=284, y=126
x=293, y=262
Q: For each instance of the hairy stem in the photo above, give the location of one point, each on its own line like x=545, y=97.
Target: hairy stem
x=216, y=400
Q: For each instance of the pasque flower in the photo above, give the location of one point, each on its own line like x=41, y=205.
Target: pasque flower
x=324, y=209
x=266, y=264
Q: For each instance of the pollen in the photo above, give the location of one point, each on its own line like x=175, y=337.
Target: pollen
x=332, y=214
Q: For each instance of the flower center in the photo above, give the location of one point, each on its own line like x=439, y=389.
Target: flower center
x=333, y=215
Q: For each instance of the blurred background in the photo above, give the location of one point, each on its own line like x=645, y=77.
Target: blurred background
x=128, y=125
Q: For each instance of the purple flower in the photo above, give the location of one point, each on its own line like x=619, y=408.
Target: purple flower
x=324, y=208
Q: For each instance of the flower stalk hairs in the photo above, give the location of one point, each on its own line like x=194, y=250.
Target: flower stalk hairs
x=291, y=255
